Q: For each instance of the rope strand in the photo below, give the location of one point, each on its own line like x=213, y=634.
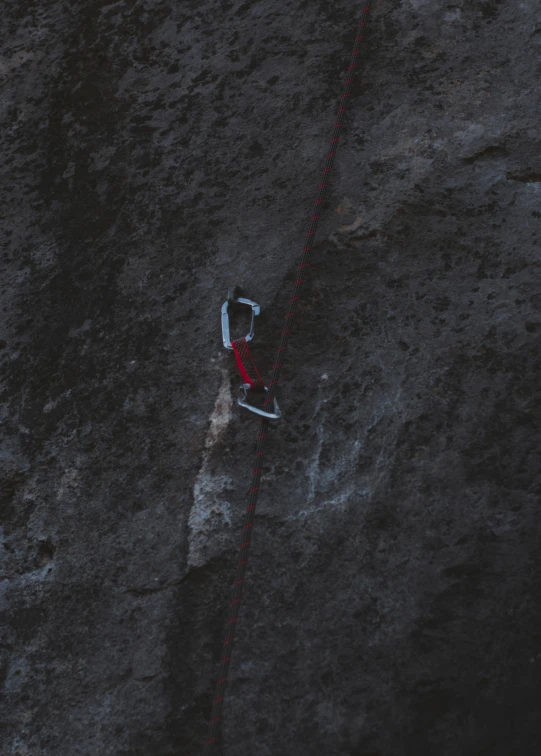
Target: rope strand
x=237, y=588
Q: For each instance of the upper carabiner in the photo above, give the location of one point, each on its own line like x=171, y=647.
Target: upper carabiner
x=226, y=335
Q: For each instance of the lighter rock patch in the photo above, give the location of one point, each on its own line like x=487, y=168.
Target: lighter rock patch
x=210, y=510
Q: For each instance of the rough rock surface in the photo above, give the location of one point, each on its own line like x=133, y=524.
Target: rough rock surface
x=156, y=152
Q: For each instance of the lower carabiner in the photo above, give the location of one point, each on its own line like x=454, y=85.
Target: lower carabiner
x=244, y=403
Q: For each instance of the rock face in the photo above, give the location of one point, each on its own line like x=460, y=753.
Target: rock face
x=154, y=154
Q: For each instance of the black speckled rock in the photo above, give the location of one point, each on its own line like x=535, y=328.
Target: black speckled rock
x=154, y=153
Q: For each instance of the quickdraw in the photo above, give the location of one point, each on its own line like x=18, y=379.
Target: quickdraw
x=244, y=359
x=254, y=383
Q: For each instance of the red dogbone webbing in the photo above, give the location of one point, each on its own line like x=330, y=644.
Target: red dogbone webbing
x=246, y=365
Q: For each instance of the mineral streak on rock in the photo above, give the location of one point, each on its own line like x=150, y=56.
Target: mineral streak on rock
x=210, y=512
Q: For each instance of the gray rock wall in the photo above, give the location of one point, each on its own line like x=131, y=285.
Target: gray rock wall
x=155, y=153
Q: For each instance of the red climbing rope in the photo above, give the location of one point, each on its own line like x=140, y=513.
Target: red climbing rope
x=249, y=372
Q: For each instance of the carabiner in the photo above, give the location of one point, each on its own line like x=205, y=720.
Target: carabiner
x=225, y=320
x=244, y=403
